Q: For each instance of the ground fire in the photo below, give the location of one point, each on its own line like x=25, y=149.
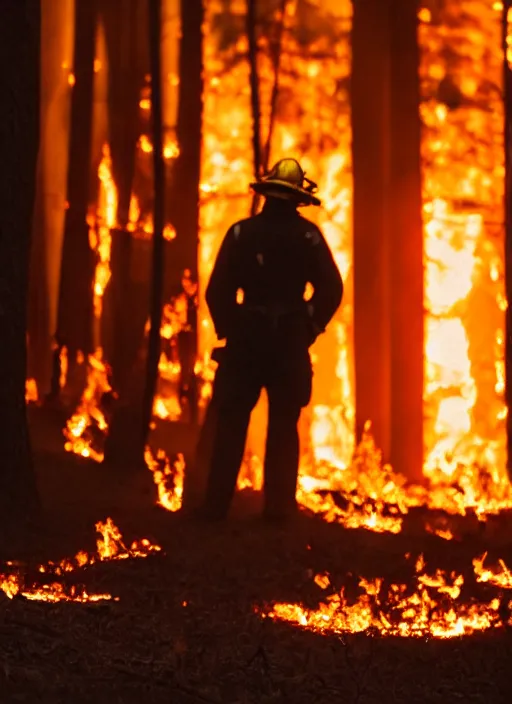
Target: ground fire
x=429, y=608
x=34, y=585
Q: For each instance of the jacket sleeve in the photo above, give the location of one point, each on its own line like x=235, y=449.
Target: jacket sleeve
x=223, y=285
x=325, y=279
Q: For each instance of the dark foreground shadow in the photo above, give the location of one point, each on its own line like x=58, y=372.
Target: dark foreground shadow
x=186, y=628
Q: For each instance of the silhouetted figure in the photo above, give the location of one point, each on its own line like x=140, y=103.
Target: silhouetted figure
x=267, y=260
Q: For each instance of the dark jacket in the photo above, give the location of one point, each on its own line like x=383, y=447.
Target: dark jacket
x=271, y=257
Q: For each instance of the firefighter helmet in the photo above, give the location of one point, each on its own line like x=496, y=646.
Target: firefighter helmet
x=286, y=179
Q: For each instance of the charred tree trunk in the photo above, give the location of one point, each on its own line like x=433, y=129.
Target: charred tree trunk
x=183, y=191
x=406, y=244
x=508, y=226
x=19, y=138
x=155, y=23
x=130, y=424
x=75, y=312
x=125, y=23
x=370, y=151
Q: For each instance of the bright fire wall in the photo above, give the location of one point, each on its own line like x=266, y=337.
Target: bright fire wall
x=463, y=209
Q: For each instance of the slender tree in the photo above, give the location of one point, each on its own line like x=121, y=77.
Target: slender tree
x=251, y=26
x=19, y=138
x=183, y=191
x=276, y=60
x=155, y=313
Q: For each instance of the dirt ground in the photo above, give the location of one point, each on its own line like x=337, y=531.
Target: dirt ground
x=186, y=630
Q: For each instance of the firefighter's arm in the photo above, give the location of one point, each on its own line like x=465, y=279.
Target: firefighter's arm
x=326, y=280
x=222, y=287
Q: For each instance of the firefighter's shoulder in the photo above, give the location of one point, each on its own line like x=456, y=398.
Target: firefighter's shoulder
x=238, y=228
x=311, y=232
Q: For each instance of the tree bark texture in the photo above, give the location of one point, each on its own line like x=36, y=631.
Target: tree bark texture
x=19, y=139
x=370, y=153
x=183, y=187
x=125, y=23
x=74, y=326
x=406, y=244
x=388, y=233
x=185, y=171
x=157, y=269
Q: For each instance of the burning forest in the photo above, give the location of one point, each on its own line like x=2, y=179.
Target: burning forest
x=154, y=118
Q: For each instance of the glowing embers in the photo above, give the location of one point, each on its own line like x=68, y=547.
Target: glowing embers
x=429, y=606
x=36, y=587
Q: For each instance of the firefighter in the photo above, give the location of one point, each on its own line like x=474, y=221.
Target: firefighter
x=256, y=300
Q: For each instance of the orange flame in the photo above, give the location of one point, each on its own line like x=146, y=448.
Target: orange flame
x=432, y=609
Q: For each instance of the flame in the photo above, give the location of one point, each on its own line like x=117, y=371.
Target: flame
x=431, y=608
x=168, y=479
x=110, y=546
x=105, y=220
x=88, y=420
x=171, y=149
x=501, y=578
x=31, y=394
x=463, y=173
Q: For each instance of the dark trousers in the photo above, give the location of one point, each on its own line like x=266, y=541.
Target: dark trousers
x=238, y=384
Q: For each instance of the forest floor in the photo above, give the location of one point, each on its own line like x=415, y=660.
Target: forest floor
x=188, y=627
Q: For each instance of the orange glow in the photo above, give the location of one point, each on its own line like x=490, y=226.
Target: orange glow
x=463, y=172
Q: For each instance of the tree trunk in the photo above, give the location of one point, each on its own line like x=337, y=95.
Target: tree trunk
x=255, y=94
x=57, y=20
x=406, y=244
x=508, y=224
x=155, y=312
x=183, y=188
x=370, y=153
x=75, y=315
x=131, y=422
x=19, y=138
x=125, y=23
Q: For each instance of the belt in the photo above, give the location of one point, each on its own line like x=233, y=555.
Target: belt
x=275, y=311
